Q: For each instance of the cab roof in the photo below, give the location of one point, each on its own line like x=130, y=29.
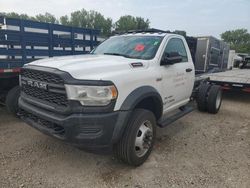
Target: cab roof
x=146, y=32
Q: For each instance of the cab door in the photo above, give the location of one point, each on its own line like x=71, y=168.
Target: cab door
x=177, y=78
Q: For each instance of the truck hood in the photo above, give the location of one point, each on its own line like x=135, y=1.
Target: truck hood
x=93, y=67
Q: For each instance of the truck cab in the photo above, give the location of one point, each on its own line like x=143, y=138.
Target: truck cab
x=113, y=97
x=160, y=61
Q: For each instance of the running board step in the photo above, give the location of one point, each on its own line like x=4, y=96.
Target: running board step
x=165, y=121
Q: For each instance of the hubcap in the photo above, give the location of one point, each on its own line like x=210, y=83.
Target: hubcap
x=218, y=100
x=144, y=138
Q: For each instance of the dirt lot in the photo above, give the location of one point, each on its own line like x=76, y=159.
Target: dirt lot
x=200, y=150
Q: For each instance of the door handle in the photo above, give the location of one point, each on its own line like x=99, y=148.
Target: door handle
x=189, y=70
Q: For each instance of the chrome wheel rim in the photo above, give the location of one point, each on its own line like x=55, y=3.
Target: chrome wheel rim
x=144, y=137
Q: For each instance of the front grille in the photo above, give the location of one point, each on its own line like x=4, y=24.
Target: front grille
x=55, y=94
x=51, y=97
x=52, y=127
x=42, y=76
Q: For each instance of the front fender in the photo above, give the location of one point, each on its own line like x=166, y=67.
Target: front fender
x=138, y=95
x=127, y=107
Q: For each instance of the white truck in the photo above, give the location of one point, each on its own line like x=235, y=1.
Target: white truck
x=117, y=95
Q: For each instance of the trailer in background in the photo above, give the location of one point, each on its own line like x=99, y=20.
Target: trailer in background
x=211, y=55
x=225, y=50
x=23, y=41
x=236, y=76
x=244, y=62
x=235, y=79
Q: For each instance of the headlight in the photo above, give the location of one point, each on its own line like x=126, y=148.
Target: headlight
x=91, y=95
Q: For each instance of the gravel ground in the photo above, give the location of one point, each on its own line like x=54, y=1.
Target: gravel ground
x=199, y=150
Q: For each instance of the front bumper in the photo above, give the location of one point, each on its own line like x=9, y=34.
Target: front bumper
x=92, y=130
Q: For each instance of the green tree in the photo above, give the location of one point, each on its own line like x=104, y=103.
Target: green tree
x=238, y=39
x=89, y=19
x=79, y=18
x=126, y=23
x=141, y=23
x=47, y=17
x=16, y=15
x=64, y=20
x=98, y=21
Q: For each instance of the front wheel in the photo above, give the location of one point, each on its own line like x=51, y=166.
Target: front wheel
x=138, y=139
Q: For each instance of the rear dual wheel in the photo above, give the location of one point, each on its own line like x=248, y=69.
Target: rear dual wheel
x=202, y=96
x=214, y=99
x=209, y=98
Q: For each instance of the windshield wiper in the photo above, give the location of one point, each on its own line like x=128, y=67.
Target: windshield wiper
x=117, y=54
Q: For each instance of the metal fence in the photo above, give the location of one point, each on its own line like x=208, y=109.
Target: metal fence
x=23, y=41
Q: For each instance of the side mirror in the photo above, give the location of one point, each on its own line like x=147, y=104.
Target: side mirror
x=171, y=58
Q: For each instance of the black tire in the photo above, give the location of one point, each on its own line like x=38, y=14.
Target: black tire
x=214, y=99
x=125, y=149
x=12, y=100
x=202, y=97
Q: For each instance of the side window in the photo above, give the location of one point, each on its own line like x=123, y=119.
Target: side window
x=176, y=45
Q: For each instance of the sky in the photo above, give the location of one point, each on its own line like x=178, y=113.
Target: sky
x=196, y=17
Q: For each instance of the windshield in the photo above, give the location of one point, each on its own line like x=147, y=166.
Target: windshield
x=138, y=47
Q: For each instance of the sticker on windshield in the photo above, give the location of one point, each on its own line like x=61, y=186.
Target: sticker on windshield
x=156, y=42
x=139, y=47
